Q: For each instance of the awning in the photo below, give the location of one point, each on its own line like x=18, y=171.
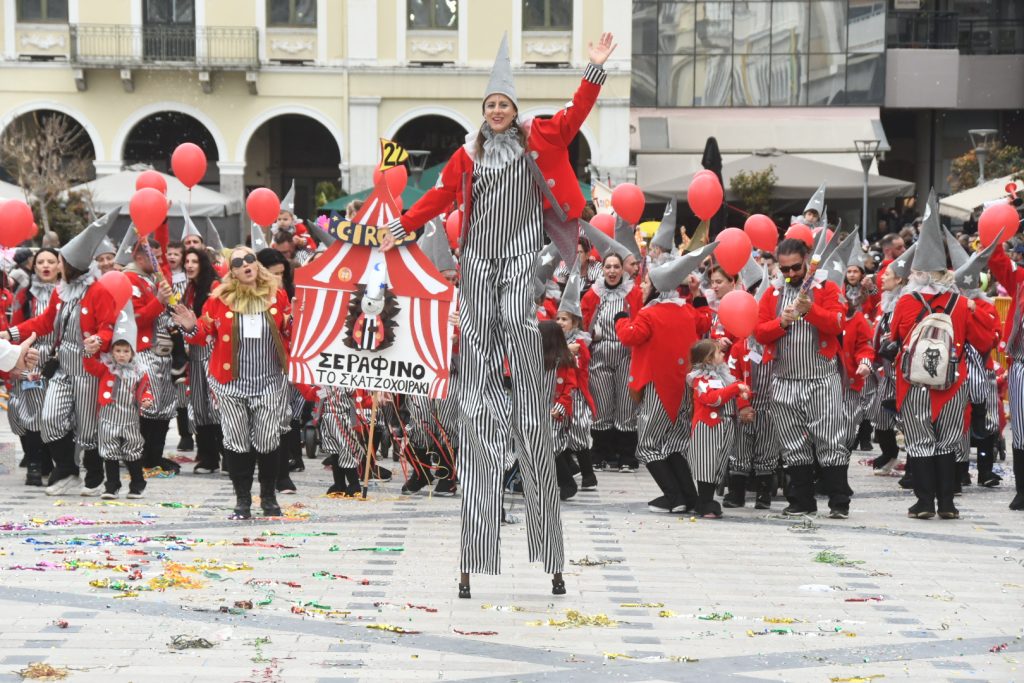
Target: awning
x=9, y=191
x=962, y=205
x=112, y=191
x=797, y=178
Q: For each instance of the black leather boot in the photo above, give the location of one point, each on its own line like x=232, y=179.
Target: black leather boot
x=864, y=436
x=764, y=492
x=947, y=471
x=421, y=475
x=284, y=482
x=1018, y=473
x=64, y=475
x=986, y=459
x=680, y=469
x=601, y=451
x=185, y=442
x=93, y=465
x=886, y=438
x=737, y=495
x=671, y=498
x=566, y=483
x=588, y=480
x=112, y=475
x=243, y=465
x=707, y=506
x=32, y=443
x=268, y=479
x=800, y=491
x=839, y=491
x=924, y=487
x=626, y=447
x=340, y=484
x=137, y=483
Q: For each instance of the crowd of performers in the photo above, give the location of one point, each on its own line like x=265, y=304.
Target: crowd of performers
x=564, y=368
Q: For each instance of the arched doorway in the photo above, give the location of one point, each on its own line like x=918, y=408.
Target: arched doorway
x=433, y=133
x=43, y=134
x=293, y=147
x=153, y=139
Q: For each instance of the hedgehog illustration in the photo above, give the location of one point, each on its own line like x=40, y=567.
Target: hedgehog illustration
x=370, y=324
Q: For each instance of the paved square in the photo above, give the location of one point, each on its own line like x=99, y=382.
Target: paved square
x=324, y=594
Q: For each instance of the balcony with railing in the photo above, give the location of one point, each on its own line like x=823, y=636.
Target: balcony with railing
x=164, y=47
x=951, y=31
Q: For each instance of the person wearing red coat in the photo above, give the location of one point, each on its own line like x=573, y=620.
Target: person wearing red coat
x=248, y=319
x=578, y=439
x=857, y=356
x=800, y=332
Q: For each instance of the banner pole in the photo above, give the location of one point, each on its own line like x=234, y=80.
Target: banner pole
x=370, y=457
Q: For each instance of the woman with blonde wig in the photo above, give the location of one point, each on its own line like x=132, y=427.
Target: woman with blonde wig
x=247, y=317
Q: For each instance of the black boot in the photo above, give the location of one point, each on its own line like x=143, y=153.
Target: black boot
x=800, y=491
x=112, y=473
x=207, y=446
x=986, y=459
x=268, y=479
x=864, y=436
x=354, y=478
x=588, y=480
x=924, y=487
x=601, y=451
x=626, y=447
x=1018, y=474
x=64, y=476
x=672, y=499
x=566, y=483
x=185, y=443
x=150, y=454
x=93, y=465
x=907, y=480
x=340, y=484
x=737, y=496
x=291, y=443
x=684, y=480
x=764, y=492
x=838, y=488
x=32, y=443
x=946, y=470
x=707, y=506
x=284, y=482
x=137, y=483
x=421, y=474
x=159, y=436
x=963, y=474
x=243, y=465
x=890, y=451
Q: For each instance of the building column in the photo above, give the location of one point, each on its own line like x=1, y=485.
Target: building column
x=613, y=132
x=364, y=132
x=105, y=168
x=232, y=184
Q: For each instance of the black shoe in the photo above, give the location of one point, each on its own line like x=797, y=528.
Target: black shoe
x=296, y=465
x=568, y=491
x=285, y=485
x=33, y=475
x=794, y=510
x=839, y=513
x=557, y=585
x=1018, y=502
x=920, y=510
x=445, y=487
x=268, y=502
x=186, y=443
x=737, y=495
x=763, y=501
x=415, y=484
x=588, y=482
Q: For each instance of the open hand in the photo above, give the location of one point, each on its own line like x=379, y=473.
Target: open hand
x=387, y=240
x=184, y=317
x=600, y=53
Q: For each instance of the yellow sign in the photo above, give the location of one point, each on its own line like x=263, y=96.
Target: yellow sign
x=363, y=235
x=391, y=154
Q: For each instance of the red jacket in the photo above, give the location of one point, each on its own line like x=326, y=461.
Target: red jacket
x=147, y=309
x=583, y=373
x=1011, y=278
x=547, y=310
x=708, y=400
x=98, y=368
x=565, y=382
x=987, y=322
x=661, y=336
x=590, y=302
x=827, y=313
x=547, y=140
x=857, y=335
x=97, y=317
x=217, y=322
x=965, y=330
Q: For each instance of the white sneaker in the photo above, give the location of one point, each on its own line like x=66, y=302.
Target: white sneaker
x=92, y=492
x=133, y=496
x=107, y=495
x=64, y=486
x=225, y=473
x=202, y=470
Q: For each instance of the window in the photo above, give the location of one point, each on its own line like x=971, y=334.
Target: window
x=436, y=15
x=43, y=10
x=295, y=13
x=547, y=15
x=170, y=12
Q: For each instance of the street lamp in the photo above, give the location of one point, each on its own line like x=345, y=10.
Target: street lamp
x=417, y=163
x=866, y=150
x=981, y=138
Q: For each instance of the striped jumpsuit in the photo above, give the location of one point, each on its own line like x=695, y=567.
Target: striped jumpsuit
x=202, y=411
x=497, y=321
x=337, y=424
x=119, y=433
x=757, y=449
x=609, y=363
x=179, y=282
x=578, y=431
x=710, y=444
x=881, y=410
x=25, y=408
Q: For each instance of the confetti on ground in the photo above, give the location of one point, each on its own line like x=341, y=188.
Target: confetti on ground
x=407, y=605
x=391, y=629
x=60, y=623
x=587, y=562
x=381, y=549
x=577, y=619
x=38, y=671
x=872, y=599
x=502, y=608
x=653, y=605
x=999, y=648
x=475, y=633
x=856, y=679
x=337, y=577
x=65, y=521
x=186, y=642
x=835, y=559
x=715, y=616
x=937, y=596
x=780, y=620
x=300, y=534
x=666, y=614
x=770, y=631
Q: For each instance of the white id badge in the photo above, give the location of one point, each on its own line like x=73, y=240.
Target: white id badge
x=252, y=325
x=754, y=356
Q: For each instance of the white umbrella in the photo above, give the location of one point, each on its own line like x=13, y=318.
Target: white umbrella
x=962, y=204
x=112, y=191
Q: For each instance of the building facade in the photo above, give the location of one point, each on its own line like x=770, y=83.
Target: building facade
x=276, y=90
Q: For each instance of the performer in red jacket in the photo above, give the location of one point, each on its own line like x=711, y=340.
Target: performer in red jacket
x=503, y=179
x=800, y=331
x=247, y=317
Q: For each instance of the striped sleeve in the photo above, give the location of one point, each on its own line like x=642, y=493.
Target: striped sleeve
x=396, y=229
x=595, y=74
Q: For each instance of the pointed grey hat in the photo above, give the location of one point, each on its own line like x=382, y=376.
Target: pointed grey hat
x=820, y=245
x=288, y=203
x=322, y=236
x=931, y=245
x=212, y=237
x=817, y=201
x=547, y=262
x=750, y=273
x=78, y=252
x=259, y=239
x=603, y=243
x=434, y=243
x=188, y=227
x=968, y=275
x=125, y=327
x=664, y=238
x=501, y=75
x=127, y=248
x=670, y=275
x=901, y=266
x=105, y=247
x=625, y=234
x=957, y=254
x=766, y=281
x=836, y=263
x=570, y=302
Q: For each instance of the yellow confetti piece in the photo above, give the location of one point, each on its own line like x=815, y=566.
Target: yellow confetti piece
x=617, y=655
x=503, y=608
x=856, y=679
x=38, y=671
x=780, y=620
x=577, y=619
x=666, y=614
x=642, y=604
x=390, y=629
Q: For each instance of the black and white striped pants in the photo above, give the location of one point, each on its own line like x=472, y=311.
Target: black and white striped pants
x=883, y=418
x=925, y=438
x=579, y=425
x=609, y=385
x=165, y=398
x=709, y=449
x=25, y=408
x=70, y=405
x=806, y=412
x=1015, y=387
x=120, y=439
x=201, y=409
x=252, y=423
x=657, y=436
x=856, y=405
x=756, y=450
x=497, y=319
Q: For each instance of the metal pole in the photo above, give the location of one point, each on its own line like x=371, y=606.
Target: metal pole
x=864, y=207
x=981, y=153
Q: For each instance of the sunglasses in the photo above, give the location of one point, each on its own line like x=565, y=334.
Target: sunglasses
x=238, y=262
x=791, y=269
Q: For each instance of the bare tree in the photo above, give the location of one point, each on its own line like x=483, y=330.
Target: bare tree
x=46, y=154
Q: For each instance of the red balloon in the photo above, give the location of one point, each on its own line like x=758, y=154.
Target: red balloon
x=118, y=286
x=762, y=232
x=148, y=209
x=703, y=172
x=628, y=201
x=733, y=250
x=604, y=222
x=263, y=206
x=995, y=218
x=453, y=228
x=189, y=164
x=705, y=195
x=396, y=178
x=1011, y=188
x=737, y=311
x=16, y=223
x=151, y=179
x=799, y=231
